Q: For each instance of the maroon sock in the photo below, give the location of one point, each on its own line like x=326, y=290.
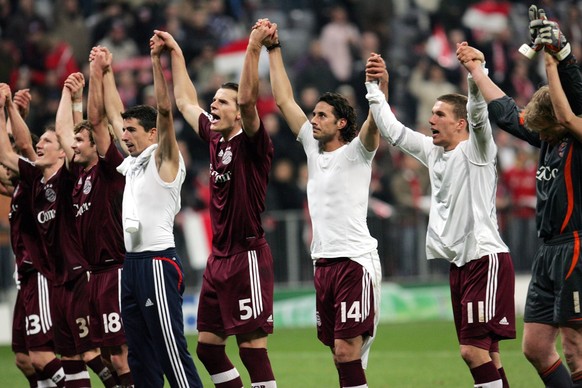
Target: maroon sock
x=257, y=363
x=503, y=377
x=52, y=371
x=216, y=362
x=98, y=366
x=485, y=373
x=32, y=380
x=77, y=375
x=126, y=379
x=351, y=373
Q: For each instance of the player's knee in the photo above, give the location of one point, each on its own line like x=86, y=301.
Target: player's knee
x=23, y=363
x=346, y=351
x=474, y=356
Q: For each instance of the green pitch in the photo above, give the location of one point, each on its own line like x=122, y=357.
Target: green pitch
x=420, y=354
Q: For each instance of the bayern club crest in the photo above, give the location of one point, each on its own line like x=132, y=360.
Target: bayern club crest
x=562, y=148
x=87, y=187
x=227, y=156
x=50, y=194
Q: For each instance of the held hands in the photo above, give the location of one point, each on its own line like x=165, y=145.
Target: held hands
x=376, y=69
x=469, y=57
x=166, y=40
x=100, y=58
x=264, y=33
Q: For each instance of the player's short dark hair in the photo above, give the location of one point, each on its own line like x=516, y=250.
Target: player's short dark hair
x=342, y=110
x=85, y=124
x=145, y=115
x=230, y=85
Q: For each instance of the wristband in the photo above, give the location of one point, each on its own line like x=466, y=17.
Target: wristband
x=273, y=46
x=78, y=107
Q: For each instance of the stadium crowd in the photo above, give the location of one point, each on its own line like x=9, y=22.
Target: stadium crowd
x=326, y=43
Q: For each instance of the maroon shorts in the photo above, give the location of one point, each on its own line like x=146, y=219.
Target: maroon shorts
x=70, y=307
x=237, y=293
x=106, y=325
x=482, y=294
x=32, y=322
x=344, y=301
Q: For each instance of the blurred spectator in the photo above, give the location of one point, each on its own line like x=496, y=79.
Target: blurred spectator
x=312, y=69
x=428, y=82
x=121, y=45
x=222, y=25
x=520, y=181
x=411, y=187
x=195, y=23
x=339, y=38
x=70, y=27
x=282, y=191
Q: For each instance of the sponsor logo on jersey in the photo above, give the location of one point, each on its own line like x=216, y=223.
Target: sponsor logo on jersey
x=219, y=178
x=546, y=173
x=82, y=208
x=149, y=303
x=45, y=216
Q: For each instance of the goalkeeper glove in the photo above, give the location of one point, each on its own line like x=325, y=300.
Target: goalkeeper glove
x=554, y=41
x=536, y=20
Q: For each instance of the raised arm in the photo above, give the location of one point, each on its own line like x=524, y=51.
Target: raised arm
x=488, y=88
x=111, y=98
x=8, y=157
x=375, y=72
x=248, y=90
x=281, y=87
x=562, y=109
x=95, y=104
x=184, y=90
x=168, y=153
x=16, y=110
x=64, y=123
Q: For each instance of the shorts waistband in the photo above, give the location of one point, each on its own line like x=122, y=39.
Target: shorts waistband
x=563, y=238
x=327, y=261
x=170, y=252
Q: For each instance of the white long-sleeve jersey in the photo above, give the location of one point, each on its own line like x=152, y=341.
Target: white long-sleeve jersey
x=462, y=222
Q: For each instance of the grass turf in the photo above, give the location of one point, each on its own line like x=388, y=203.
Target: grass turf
x=419, y=354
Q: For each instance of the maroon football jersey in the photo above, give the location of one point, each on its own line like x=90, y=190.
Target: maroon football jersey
x=239, y=173
x=97, y=198
x=52, y=207
x=28, y=252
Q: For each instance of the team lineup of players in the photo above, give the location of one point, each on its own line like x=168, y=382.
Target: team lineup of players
x=100, y=283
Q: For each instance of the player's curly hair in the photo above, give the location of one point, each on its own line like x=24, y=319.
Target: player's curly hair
x=539, y=112
x=146, y=116
x=342, y=110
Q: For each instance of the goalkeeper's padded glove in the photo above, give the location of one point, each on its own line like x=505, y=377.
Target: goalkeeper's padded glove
x=536, y=19
x=553, y=40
